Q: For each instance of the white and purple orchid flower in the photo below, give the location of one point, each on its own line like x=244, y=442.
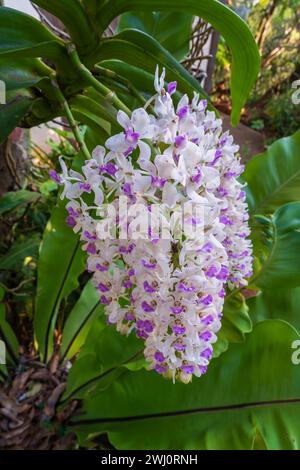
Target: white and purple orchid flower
x=170, y=292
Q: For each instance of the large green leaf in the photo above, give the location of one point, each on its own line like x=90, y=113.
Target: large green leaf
x=22, y=73
x=104, y=355
x=142, y=80
x=88, y=111
x=13, y=200
x=244, y=52
x=94, y=103
x=23, y=36
x=173, y=30
x=79, y=321
x=279, y=251
x=12, y=113
x=136, y=47
x=251, y=389
x=105, y=350
x=276, y=303
x=273, y=177
x=105, y=108
x=92, y=121
x=61, y=261
x=73, y=16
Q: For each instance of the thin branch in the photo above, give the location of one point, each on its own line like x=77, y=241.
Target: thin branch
x=193, y=59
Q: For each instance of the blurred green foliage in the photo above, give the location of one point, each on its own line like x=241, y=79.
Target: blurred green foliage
x=23, y=218
x=275, y=25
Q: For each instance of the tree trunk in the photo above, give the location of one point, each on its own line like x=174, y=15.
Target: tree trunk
x=14, y=162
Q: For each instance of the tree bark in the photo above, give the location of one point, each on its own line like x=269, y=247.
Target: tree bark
x=14, y=162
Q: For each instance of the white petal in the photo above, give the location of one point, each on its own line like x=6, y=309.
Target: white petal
x=71, y=191
x=76, y=174
x=98, y=154
x=170, y=195
x=211, y=177
x=183, y=102
x=145, y=150
x=141, y=183
x=194, y=196
x=98, y=195
x=140, y=120
x=144, y=158
x=195, y=99
x=165, y=166
x=117, y=143
x=156, y=83
x=162, y=78
x=192, y=155
x=63, y=167
x=123, y=120
x=180, y=173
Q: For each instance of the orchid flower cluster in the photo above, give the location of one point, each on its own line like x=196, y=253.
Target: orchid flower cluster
x=170, y=292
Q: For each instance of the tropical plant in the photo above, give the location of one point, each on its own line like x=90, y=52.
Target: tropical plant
x=274, y=25
x=249, y=398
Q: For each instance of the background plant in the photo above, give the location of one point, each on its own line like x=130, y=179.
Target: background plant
x=275, y=26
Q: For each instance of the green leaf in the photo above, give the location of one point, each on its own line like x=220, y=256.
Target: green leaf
x=79, y=321
x=60, y=263
x=97, y=105
x=93, y=122
x=105, y=109
x=23, y=36
x=12, y=113
x=8, y=337
x=93, y=138
x=279, y=251
x=172, y=30
x=72, y=15
x=104, y=353
x=90, y=111
x=3, y=373
x=273, y=177
x=142, y=80
x=13, y=200
x=244, y=51
x=135, y=48
x=252, y=388
x=236, y=323
x=20, y=250
x=91, y=6
x=276, y=304
x=22, y=73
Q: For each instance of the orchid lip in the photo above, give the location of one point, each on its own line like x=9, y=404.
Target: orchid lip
x=147, y=307
x=171, y=87
x=182, y=112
